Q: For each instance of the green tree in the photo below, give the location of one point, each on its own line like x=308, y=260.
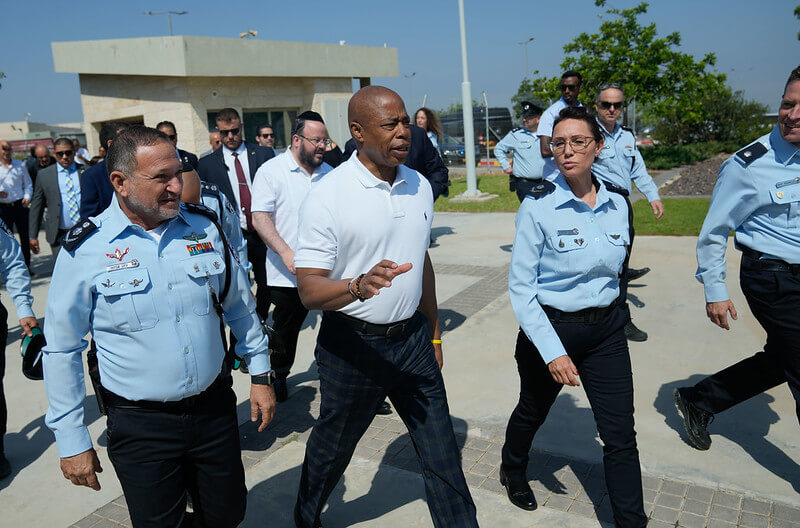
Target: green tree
x=797, y=14
x=452, y=108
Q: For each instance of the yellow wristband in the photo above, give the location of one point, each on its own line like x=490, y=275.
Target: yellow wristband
x=436, y=341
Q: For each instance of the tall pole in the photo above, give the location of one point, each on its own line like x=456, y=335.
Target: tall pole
x=169, y=16
x=466, y=103
x=410, y=77
x=525, y=43
x=486, y=137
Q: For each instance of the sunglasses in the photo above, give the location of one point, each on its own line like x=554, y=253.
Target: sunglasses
x=63, y=153
x=234, y=131
x=605, y=105
x=569, y=87
x=267, y=135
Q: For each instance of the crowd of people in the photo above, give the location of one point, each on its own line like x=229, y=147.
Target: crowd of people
x=154, y=252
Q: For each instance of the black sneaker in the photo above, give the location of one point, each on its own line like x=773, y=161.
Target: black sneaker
x=633, y=333
x=281, y=390
x=634, y=274
x=695, y=420
x=384, y=408
x=5, y=467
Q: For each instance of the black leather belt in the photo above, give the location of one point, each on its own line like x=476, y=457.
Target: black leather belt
x=751, y=260
x=114, y=400
x=586, y=316
x=390, y=330
x=15, y=203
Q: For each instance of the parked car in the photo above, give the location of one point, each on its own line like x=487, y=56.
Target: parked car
x=451, y=150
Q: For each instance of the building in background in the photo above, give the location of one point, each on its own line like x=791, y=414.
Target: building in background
x=187, y=79
x=26, y=134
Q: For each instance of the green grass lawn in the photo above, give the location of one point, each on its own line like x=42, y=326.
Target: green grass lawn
x=682, y=216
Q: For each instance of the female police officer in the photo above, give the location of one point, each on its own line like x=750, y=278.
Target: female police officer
x=570, y=249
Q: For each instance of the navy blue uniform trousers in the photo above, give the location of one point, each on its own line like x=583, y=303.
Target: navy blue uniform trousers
x=357, y=371
x=774, y=299
x=160, y=454
x=600, y=353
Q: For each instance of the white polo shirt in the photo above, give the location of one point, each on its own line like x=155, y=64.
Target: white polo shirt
x=352, y=220
x=546, y=129
x=279, y=187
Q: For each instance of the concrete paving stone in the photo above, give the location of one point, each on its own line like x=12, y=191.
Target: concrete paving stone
x=482, y=469
x=386, y=435
x=396, y=427
x=112, y=511
x=756, y=506
x=582, y=468
x=673, y=488
x=729, y=500
x=492, y=485
x=781, y=511
x=696, y=507
x=88, y=522
x=495, y=448
x=648, y=508
x=669, y=501
x=582, y=508
x=477, y=443
x=753, y=520
x=559, y=502
x=381, y=422
x=474, y=481
x=649, y=495
x=782, y=523
x=690, y=520
x=724, y=514
x=120, y=501
x=652, y=483
x=491, y=459
x=665, y=514
x=107, y=523
x=582, y=496
x=364, y=451
x=716, y=523
x=374, y=443
x=372, y=432
x=471, y=454
x=700, y=493
x=655, y=523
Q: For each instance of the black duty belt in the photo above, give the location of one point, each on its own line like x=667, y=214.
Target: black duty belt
x=390, y=330
x=114, y=400
x=586, y=316
x=751, y=260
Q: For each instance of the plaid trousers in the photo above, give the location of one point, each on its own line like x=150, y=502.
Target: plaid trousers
x=357, y=371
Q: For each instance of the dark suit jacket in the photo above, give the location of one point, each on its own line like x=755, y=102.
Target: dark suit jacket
x=212, y=168
x=47, y=194
x=422, y=157
x=188, y=157
x=96, y=190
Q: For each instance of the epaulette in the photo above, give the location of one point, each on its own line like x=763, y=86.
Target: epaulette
x=78, y=234
x=629, y=129
x=209, y=188
x=201, y=210
x=543, y=188
x=751, y=153
x=516, y=129
x=616, y=188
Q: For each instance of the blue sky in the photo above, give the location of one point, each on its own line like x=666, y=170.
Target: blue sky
x=756, y=44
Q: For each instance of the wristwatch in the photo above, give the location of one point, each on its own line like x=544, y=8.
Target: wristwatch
x=268, y=378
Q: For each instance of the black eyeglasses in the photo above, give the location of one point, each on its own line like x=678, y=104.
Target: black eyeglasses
x=317, y=142
x=63, y=153
x=605, y=105
x=569, y=87
x=577, y=143
x=234, y=131
x=267, y=135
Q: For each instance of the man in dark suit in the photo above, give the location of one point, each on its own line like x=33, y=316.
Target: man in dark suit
x=232, y=168
x=423, y=158
x=57, y=188
x=168, y=127
x=96, y=189
x=42, y=160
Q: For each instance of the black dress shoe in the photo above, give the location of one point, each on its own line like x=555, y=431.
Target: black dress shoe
x=634, y=274
x=633, y=333
x=695, y=420
x=384, y=408
x=5, y=467
x=519, y=492
x=281, y=391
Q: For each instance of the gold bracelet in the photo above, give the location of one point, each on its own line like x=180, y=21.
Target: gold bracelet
x=436, y=341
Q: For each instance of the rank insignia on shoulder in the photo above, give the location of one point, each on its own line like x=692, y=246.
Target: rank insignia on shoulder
x=209, y=187
x=615, y=188
x=542, y=188
x=200, y=209
x=78, y=234
x=195, y=237
x=751, y=152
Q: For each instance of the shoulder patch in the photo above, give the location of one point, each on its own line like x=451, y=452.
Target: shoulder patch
x=541, y=189
x=209, y=188
x=751, y=152
x=201, y=210
x=78, y=234
x=615, y=188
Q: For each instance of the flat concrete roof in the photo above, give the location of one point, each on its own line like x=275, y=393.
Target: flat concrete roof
x=184, y=56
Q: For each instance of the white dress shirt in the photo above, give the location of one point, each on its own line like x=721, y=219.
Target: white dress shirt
x=279, y=187
x=227, y=156
x=15, y=181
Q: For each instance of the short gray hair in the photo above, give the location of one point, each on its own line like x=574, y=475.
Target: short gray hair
x=122, y=152
x=605, y=86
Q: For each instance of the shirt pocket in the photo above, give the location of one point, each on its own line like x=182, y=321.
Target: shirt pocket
x=206, y=270
x=607, y=152
x=786, y=206
x=128, y=297
x=619, y=240
x=524, y=144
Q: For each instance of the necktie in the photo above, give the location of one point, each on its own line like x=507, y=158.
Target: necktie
x=244, y=191
x=72, y=198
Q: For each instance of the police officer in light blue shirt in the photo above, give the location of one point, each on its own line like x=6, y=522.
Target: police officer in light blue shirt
x=757, y=195
x=18, y=283
x=149, y=279
x=570, y=250
x=524, y=142
x=620, y=162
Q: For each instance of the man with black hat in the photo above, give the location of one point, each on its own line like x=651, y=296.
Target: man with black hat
x=528, y=161
x=18, y=283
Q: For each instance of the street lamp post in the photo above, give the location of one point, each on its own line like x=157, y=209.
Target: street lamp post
x=525, y=43
x=169, y=16
x=410, y=77
x=466, y=109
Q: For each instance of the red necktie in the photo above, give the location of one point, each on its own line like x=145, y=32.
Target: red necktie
x=244, y=191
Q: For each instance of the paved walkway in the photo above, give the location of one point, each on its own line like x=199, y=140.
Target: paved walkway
x=749, y=478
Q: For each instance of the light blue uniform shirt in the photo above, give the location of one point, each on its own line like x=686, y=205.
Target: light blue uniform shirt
x=760, y=201
x=148, y=307
x=567, y=256
x=620, y=162
x=65, y=222
x=15, y=273
x=549, y=116
x=528, y=161
x=229, y=220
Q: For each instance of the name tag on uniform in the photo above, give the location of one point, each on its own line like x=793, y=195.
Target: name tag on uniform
x=124, y=265
x=199, y=249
